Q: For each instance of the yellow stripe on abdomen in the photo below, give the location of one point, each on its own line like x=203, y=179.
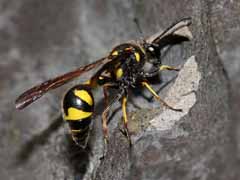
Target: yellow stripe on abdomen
x=76, y=114
x=84, y=95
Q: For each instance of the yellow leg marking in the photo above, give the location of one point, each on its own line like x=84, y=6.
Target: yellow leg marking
x=76, y=114
x=84, y=95
x=149, y=88
x=76, y=130
x=170, y=68
x=125, y=120
x=145, y=84
x=124, y=109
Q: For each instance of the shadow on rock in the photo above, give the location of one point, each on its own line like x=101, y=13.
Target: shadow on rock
x=38, y=140
x=78, y=158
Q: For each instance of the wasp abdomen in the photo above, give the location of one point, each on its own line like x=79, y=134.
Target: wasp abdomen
x=77, y=110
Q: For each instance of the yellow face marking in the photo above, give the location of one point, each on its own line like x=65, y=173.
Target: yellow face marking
x=76, y=114
x=115, y=53
x=137, y=55
x=84, y=95
x=101, y=78
x=119, y=72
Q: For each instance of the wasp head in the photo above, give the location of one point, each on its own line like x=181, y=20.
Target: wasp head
x=152, y=52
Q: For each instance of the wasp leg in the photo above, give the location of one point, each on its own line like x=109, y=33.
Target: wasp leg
x=147, y=85
x=170, y=68
x=105, y=113
x=161, y=68
x=107, y=107
x=104, y=119
x=125, y=120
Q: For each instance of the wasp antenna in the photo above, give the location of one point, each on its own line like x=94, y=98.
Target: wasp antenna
x=138, y=26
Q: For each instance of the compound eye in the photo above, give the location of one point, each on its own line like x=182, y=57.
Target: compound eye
x=151, y=49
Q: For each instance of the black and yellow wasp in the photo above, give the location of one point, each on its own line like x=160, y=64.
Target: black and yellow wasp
x=122, y=69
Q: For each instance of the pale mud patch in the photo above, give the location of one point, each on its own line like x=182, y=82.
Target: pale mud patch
x=181, y=95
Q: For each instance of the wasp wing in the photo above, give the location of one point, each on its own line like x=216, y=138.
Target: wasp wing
x=38, y=91
x=176, y=33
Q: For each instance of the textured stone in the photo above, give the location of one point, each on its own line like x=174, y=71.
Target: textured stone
x=42, y=39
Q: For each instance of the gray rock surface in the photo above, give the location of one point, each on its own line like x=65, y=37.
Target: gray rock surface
x=42, y=39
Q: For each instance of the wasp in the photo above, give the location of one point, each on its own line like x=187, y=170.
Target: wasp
x=122, y=69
